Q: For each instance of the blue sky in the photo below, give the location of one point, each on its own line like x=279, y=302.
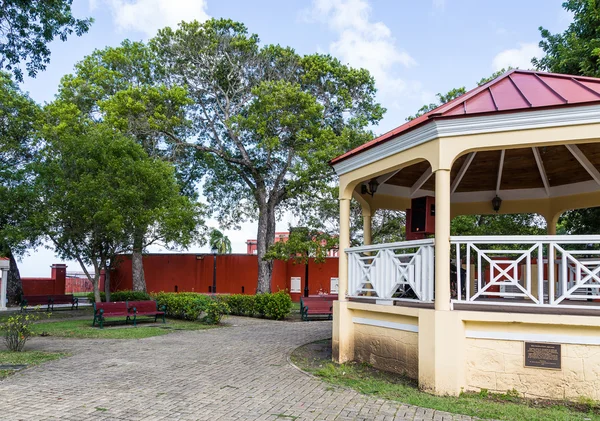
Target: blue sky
x=413, y=48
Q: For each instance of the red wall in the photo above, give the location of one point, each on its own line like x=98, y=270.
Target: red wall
x=46, y=286
x=194, y=273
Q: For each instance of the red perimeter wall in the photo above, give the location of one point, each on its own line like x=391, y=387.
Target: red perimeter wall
x=194, y=273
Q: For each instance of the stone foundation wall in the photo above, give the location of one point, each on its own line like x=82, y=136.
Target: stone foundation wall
x=387, y=349
x=498, y=365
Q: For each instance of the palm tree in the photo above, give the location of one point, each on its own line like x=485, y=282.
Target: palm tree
x=219, y=241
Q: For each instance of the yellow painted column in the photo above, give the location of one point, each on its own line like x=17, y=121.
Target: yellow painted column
x=344, y=244
x=551, y=223
x=442, y=239
x=342, y=344
x=367, y=240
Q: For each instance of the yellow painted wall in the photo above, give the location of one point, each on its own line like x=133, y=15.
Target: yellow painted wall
x=498, y=365
x=387, y=349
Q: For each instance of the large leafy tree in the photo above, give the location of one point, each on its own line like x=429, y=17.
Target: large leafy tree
x=126, y=87
x=576, y=51
x=18, y=117
x=26, y=28
x=265, y=121
x=96, y=186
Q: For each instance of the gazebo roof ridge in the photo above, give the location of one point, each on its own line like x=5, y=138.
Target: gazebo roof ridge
x=514, y=90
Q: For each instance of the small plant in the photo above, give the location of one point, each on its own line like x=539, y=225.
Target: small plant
x=278, y=306
x=214, y=312
x=484, y=393
x=17, y=329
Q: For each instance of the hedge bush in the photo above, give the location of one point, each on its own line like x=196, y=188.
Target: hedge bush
x=214, y=311
x=240, y=304
x=125, y=295
x=275, y=306
x=183, y=305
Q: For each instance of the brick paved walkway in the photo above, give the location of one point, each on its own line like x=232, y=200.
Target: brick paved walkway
x=235, y=373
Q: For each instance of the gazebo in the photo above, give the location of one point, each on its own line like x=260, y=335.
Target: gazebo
x=480, y=312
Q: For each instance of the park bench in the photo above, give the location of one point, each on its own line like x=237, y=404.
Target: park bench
x=322, y=297
x=64, y=299
x=145, y=308
x=49, y=301
x=104, y=310
x=316, y=306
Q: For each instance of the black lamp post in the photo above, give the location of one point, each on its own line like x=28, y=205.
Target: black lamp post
x=214, y=251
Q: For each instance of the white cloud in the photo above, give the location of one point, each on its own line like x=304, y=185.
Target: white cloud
x=364, y=43
x=517, y=57
x=147, y=16
x=439, y=4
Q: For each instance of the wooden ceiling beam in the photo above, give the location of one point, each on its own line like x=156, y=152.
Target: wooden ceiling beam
x=385, y=177
x=462, y=171
x=585, y=163
x=500, y=168
x=419, y=183
x=542, y=170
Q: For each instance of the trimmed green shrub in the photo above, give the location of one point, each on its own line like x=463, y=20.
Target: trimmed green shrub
x=125, y=295
x=260, y=303
x=275, y=306
x=92, y=299
x=240, y=304
x=214, y=311
x=183, y=305
x=130, y=296
x=278, y=305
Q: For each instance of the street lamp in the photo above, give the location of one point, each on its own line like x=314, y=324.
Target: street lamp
x=214, y=252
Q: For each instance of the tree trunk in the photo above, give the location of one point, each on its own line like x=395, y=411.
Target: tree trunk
x=96, y=284
x=265, y=238
x=137, y=265
x=107, y=284
x=14, y=287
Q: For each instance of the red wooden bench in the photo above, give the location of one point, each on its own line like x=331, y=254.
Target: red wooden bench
x=49, y=301
x=145, y=308
x=104, y=310
x=64, y=299
x=316, y=306
x=35, y=300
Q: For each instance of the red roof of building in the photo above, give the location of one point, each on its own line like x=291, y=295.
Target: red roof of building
x=515, y=90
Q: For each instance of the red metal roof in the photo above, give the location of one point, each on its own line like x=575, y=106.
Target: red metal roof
x=515, y=90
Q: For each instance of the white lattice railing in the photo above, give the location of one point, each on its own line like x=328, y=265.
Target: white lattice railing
x=397, y=271
x=528, y=270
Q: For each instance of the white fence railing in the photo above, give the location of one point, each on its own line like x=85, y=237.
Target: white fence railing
x=527, y=270
x=396, y=271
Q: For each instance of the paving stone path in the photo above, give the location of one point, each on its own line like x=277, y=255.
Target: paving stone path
x=239, y=372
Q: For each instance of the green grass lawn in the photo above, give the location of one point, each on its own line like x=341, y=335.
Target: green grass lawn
x=113, y=329
x=367, y=380
x=26, y=358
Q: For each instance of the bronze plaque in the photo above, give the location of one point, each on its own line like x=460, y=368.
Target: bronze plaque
x=541, y=355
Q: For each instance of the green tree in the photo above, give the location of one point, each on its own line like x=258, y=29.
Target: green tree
x=302, y=244
x=18, y=116
x=265, y=121
x=219, y=241
x=126, y=87
x=576, y=51
x=26, y=28
x=95, y=185
x=452, y=94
